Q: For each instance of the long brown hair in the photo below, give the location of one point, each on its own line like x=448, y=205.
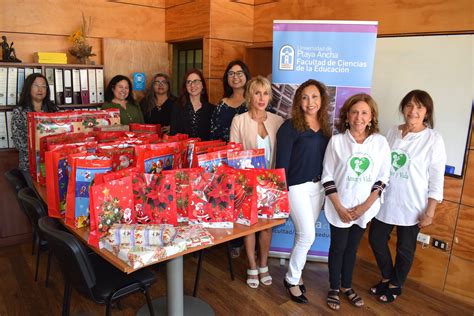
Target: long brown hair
x=297, y=114
x=360, y=97
x=150, y=93
x=183, y=92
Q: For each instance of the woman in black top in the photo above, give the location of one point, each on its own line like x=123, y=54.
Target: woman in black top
x=192, y=112
x=158, y=102
x=301, y=143
x=35, y=97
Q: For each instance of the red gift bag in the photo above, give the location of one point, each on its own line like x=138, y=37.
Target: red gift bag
x=211, y=161
x=199, y=148
x=175, y=138
x=110, y=203
x=83, y=170
x=247, y=159
x=211, y=202
x=145, y=128
x=57, y=177
x=121, y=154
x=245, y=203
x=155, y=198
x=154, y=161
x=108, y=117
x=114, y=175
x=272, y=195
x=183, y=191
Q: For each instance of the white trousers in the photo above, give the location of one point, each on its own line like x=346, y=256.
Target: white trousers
x=305, y=200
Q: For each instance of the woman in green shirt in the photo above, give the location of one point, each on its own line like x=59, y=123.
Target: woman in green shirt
x=118, y=96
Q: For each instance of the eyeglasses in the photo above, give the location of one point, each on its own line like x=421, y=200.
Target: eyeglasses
x=232, y=74
x=161, y=82
x=193, y=82
x=40, y=86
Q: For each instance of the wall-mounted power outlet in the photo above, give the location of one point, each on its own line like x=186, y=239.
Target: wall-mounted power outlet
x=440, y=244
x=423, y=238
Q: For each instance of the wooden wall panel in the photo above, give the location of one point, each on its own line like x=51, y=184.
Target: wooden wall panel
x=125, y=57
x=259, y=61
x=215, y=89
x=395, y=17
x=186, y=21
x=453, y=189
x=221, y=52
x=27, y=44
x=231, y=20
x=460, y=278
x=463, y=245
x=444, y=222
x=62, y=17
x=467, y=197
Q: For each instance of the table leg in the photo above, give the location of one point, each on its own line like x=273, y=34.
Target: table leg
x=176, y=303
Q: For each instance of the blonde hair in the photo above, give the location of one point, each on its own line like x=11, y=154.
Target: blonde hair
x=254, y=84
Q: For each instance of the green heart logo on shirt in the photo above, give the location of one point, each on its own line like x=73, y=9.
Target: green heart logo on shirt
x=398, y=160
x=359, y=165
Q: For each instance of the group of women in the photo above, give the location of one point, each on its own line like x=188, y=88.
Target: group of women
x=358, y=174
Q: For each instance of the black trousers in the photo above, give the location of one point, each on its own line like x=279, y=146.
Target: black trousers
x=379, y=235
x=342, y=255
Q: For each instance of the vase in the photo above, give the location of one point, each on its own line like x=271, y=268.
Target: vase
x=83, y=60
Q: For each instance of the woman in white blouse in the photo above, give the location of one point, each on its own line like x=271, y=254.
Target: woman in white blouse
x=257, y=128
x=356, y=169
x=416, y=187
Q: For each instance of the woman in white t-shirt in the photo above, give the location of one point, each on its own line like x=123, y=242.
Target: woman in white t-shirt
x=416, y=187
x=356, y=169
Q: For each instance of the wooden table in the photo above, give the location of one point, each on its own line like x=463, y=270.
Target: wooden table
x=176, y=303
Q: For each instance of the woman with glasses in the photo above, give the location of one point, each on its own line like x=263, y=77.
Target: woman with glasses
x=192, y=113
x=257, y=128
x=35, y=97
x=118, y=96
x=235, y=78
x=158, y=102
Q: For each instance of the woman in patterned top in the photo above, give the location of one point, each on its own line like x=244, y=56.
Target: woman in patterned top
x=235, y=78
x=35, y=97
x=192, y=113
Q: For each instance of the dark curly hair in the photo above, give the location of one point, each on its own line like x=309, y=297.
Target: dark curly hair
x=297, y=114
x=109, y=93
x=227, y=88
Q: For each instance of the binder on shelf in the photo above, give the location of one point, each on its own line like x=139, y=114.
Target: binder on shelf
x=49, y=74
x=28, y=71
x=58, y=84
x=21, y=82
x=37, y=70
x=3, y=85
x=76, y=87
x=3, y=131
x=67, y=86
x=92, y=86
x=11, y=85
x=84, y=86
x=99, y=74
x=9, y=129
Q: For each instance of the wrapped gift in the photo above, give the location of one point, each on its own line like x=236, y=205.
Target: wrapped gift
x=155, y=198
x=211, y=202
x=212, y=160
x=145, y=128
x=111, y=202
x=272, y=195
x=83, y=170
x=247, y=159
x=57, y=178
x=245, y=203
x=195, y=235
x=141, y=235
x=112, y=128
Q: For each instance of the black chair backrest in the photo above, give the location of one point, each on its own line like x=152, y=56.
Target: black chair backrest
x=32, y=205
x=16, y=179
x=71, y=254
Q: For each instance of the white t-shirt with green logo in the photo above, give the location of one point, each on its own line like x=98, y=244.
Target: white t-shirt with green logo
x=355, y=168
x=417, y=173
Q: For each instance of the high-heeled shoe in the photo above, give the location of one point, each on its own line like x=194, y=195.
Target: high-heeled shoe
x=298, y=299
x=302, y=288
